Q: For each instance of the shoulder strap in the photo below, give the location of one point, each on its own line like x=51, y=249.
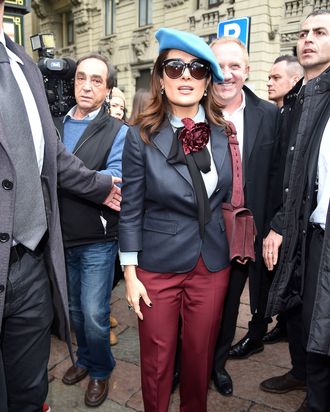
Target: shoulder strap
x=237, y=197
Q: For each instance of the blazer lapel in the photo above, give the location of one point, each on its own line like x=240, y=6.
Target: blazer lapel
x=219, y=143
x=252, y=119
x=219, y=146
x=34, y=79
x=163, y=142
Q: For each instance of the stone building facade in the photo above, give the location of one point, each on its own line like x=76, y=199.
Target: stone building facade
x=123, y=30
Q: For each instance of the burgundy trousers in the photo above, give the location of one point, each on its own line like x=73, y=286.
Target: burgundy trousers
x=198, y=296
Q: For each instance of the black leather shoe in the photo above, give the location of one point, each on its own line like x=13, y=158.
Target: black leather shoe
x=223, y=382
x=176, y=380
x=245, y=348
x=274, y=335
x=282, y=384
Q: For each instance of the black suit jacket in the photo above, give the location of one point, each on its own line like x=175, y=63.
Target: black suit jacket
x=260, y=134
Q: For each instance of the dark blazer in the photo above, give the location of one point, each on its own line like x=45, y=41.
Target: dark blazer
x=260, y=134
x=59, y=168
x=158, y=215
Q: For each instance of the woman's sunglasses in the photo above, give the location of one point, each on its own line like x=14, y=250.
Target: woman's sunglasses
x=174, y=68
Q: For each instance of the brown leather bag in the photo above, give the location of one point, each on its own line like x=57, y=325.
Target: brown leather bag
x=240, y=227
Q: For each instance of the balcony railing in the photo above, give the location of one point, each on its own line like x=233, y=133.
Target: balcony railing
x=321, y=4
x=294, y=8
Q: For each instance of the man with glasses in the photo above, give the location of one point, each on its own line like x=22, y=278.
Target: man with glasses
x=256, y=122
x=89, y=230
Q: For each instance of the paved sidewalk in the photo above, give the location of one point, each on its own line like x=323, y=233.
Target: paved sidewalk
x=125, y=388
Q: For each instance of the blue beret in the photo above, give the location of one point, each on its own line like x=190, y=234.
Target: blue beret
x=189, y=43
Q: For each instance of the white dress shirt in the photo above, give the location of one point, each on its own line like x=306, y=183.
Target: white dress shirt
x=29, y=102
x=237, y=117
x=319, y=214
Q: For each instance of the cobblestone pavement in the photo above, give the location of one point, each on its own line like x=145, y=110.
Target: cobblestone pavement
x=125, y=388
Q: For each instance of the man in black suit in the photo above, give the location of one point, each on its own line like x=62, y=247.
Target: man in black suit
x=256, y=123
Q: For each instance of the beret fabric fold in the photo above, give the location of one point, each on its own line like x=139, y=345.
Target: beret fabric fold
x=189, y=43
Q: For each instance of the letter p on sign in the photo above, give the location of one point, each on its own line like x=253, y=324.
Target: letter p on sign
x=232, y=29
x=239, y=28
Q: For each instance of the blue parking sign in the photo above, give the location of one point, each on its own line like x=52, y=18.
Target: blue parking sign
x=239, y=28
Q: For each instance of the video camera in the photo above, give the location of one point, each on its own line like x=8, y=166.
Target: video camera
x=58, y=74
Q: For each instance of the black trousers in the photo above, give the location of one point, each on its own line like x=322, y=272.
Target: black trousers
x=318, y=366
x=257, y=325
x=281, y=322
x=25, y=336
x=297, y=344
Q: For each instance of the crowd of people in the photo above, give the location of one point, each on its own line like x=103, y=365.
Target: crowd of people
x=82, y=191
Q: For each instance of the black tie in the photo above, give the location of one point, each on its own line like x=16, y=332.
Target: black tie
x=29, y=210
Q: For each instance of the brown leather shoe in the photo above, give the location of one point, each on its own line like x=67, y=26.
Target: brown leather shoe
x=113, y=338
x=282, y=384
x=96, y=392
x=113, y=322
x=74, y=374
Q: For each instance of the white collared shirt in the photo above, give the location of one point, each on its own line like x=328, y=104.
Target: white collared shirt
x=90, y=116
x=319, y=215
x=211, y=178
x=29, y=102
x=237, y=117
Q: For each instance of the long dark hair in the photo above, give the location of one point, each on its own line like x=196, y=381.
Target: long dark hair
x=140, y=101
x=156, y=112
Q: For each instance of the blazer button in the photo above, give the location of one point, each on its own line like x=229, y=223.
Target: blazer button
x=7, y=184
x=2, y=288
x=4, y=237
x=286, y=190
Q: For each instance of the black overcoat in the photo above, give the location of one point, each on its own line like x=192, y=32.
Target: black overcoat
x=260, y=134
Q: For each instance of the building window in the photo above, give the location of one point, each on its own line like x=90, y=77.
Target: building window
x=145, y=14
x=144, y=79
x=110, y=16
x=67, y=29
x=214, y=3
x=70, y=29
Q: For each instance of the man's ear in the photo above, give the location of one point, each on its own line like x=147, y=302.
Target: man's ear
x=295, y=80
x=247, y=72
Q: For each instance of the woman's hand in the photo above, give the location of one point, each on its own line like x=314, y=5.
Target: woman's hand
x=135, y=290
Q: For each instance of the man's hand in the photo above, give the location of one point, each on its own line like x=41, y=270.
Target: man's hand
x=271, y=246
x=114, y=197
